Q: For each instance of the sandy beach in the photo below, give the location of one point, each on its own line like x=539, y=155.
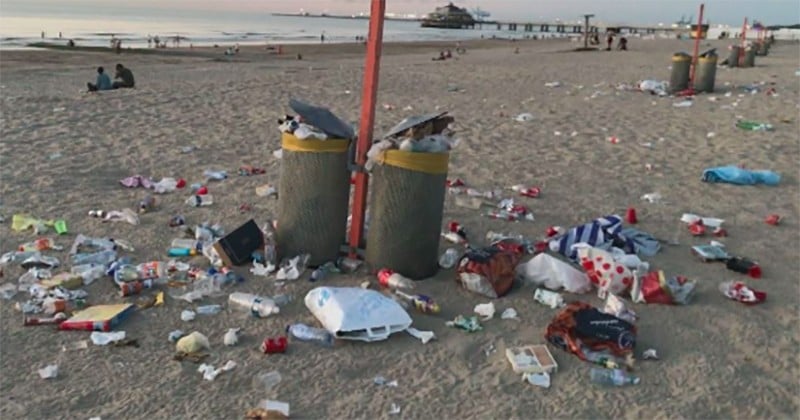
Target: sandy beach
x=63, y=151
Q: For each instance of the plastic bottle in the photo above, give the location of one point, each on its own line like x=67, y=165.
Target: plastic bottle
x=182, y=252
x=615, y=377
x=165, y=185
x=424, y=304
x=200, y=200
x=390, y=279
x=209, y=309
x=215, y=175
x=41, y=244
x=152, y=270
x=126, y=273
x=260, y=307
x=102, y=258
x=322, y=271
x=270, y=244
x=282, y=299
x=304, y=332
x=449, y=258
x=185, y=243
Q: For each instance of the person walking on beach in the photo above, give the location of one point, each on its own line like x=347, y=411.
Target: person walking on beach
x=322, y=38
x=103, y=82
x=126, y=75
x=610, y=41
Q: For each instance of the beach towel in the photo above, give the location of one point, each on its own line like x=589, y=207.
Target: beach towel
x=736, y=175
x=599, y=233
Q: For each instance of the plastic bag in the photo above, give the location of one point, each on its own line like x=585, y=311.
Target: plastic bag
x=554, y=274
x=352, y=313
x=608, y=275
x=488, y=271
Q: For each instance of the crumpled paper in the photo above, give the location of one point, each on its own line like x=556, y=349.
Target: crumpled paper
x=293, y=268
x=137, y=181
x=485, y=310
x=209, y=373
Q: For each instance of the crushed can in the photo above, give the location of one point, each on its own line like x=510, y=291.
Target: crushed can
x=272, y=345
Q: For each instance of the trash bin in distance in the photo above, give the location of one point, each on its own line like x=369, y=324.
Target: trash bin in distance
x=679, y=79
x=705, y=73
x=733, y=56
x=749, y=57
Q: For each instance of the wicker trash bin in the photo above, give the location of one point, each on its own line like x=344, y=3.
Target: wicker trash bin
x=408, y=192
x=314, y=190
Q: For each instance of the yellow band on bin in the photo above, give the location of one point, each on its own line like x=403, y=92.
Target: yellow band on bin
x=431, y=163
x=681, y=58
x=708, y=59
x=292, y=143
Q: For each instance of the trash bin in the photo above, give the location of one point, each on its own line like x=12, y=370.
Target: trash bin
x=733, y=57
x=408, y=191
x=762, y=48
x=749, y=57
x=679, y=79
x=313, y=196
x=705, y=73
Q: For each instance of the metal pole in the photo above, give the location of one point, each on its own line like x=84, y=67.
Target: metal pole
x=744, y=40
x=586, y=31
x=696, y=46
x=369, y=95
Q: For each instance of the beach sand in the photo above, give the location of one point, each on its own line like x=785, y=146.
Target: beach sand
x=719, y=358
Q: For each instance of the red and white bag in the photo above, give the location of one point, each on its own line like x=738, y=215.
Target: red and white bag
x=605, y=273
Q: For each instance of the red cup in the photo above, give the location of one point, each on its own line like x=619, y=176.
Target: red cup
x=202, y=190
x=181, y=183
x=630, y=216
x=551, y=231
x=274, y=345
x=773, y=219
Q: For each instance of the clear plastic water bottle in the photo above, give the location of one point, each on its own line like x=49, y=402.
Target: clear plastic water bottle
x=200, y=200
x=215, y=175
x=165, y=185
x=322, y=271
x=282, y=299
x=102, y=257
x=305, y=332
x=184, y=243
x=209, y=309
x=89, y=272
x=260, y=307
x=392, y=280
x=613, y=377
x=449, y=258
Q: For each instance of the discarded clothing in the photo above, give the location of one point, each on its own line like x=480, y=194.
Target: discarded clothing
x=599, y=233
x=654, y=87
x=739, y=176
x=642, y=243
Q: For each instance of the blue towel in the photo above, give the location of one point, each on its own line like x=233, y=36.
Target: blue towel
x=739, y=176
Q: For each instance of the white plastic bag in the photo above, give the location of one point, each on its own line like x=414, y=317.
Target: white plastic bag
x=352, y=313
x=554, y=274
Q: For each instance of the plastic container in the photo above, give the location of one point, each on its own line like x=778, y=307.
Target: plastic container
x=304, y=332
x=259, y=307
x=392, y=280
x=613, y=377
x=102, y=257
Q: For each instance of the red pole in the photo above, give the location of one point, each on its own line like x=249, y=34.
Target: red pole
x=696, y=46
x=744, y=41
x=368, y=97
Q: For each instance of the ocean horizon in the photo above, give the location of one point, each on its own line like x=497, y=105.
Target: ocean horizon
x=224, y=29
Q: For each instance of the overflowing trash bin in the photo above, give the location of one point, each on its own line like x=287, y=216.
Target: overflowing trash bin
x=314, y=187
x=706, y=72
x=679, y=78
x=749, y=56
x=409, y=172
x=733, y=56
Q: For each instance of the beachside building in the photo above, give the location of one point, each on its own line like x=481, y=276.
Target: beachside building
x=449, y=17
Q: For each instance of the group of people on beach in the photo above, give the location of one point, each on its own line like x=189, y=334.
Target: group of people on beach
x=103, y=82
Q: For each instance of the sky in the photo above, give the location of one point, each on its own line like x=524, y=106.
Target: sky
x=770, y=12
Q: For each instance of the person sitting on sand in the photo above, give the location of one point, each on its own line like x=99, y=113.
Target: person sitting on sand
x=623, y=44
x=103, y=82
x=126, y=75
x=448, y=54
x=441, y=57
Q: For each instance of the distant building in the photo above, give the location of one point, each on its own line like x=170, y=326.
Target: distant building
x=449, y=17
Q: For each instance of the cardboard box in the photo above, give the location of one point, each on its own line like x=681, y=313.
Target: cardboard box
x=237, y=247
